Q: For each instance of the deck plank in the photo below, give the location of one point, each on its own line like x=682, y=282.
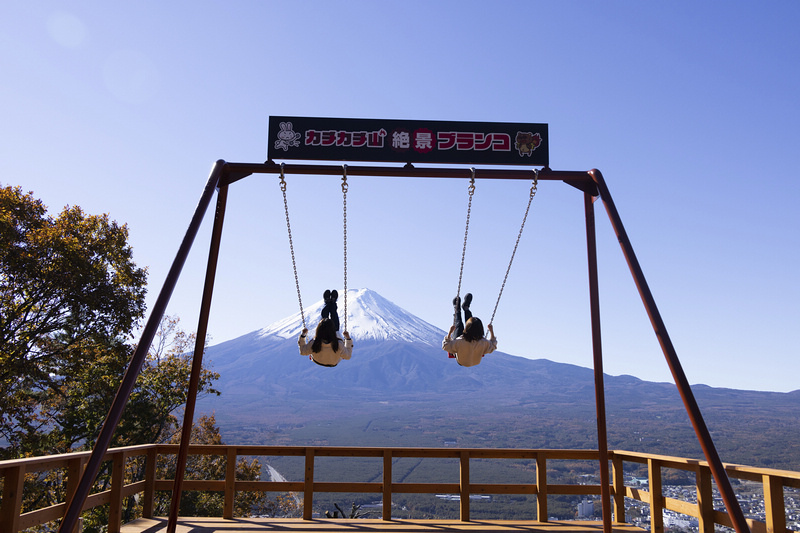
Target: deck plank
x=294, y=525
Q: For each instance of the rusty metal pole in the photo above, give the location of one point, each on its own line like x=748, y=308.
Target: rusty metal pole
x=597, y=350
x=685, y=390
x=197, y=359
x=70, y=519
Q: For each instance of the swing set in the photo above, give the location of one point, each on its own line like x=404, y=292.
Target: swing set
x=409, y=142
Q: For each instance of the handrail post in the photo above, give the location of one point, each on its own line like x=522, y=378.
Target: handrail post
x=117, y=483
x=149, y=483
x=656, y=496
x=541, y=487
x=230, y=483
x=617, y=471
x=386, y=507
x=774, y=506
x=464, y=485
x=308, y=486
x=705, y=500
x=74, y=469
x=11, y=507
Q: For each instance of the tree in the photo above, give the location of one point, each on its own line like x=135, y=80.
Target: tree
x=70, y=299
x=68, y=287
x=160, y=390
x=149, y=416
x=195, y=503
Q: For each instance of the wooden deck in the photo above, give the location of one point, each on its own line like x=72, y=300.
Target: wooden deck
x=296, y=525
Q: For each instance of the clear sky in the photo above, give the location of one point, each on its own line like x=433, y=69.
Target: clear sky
x=690, y=110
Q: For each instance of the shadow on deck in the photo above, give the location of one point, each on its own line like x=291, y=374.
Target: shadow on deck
x=236, y=525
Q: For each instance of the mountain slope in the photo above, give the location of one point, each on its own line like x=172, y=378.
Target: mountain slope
x=396, y=356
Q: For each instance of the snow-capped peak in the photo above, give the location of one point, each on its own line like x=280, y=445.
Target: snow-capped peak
x=370, y=316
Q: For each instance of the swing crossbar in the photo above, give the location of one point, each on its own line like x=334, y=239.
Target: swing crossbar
x=580, y=180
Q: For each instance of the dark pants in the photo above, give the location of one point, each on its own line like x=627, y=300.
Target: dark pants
x=457, y=322
x=331, y=311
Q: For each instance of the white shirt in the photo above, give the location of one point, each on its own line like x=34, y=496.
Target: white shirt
x=326, y=356
x=469, y=353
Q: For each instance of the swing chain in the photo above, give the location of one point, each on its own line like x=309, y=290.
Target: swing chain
x=291, y=247
x=283, y=185
x=471, y=190
x=344, y=225
x=534, y=186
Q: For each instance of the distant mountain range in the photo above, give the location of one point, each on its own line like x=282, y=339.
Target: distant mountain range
x=399, y=372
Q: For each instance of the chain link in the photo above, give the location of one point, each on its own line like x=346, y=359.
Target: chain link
x=471, y=190
x=291, y=247
x=522, y=226
x=344, y=225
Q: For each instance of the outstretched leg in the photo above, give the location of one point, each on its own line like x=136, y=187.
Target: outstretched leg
x=457, y=321
x=465, y=306
x=326, y=309
x=333, y=309
x=458, y=324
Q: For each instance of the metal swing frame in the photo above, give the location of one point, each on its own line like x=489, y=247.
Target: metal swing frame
x=223, y=174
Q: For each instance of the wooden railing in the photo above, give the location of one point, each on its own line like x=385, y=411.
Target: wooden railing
x=773, y=483
x=13, y=519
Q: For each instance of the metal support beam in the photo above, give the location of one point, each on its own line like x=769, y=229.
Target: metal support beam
x=597, y=351
x=128, y=381
x=197, y=359
x=685, y=390
x=237, y=171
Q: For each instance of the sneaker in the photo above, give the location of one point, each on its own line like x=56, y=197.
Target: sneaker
x=467, y=301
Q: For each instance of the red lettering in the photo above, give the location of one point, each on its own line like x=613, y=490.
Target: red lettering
x=328, y=138
x=501, y=142
x=344, y=138
x=376, y=138
x=469, y=140
x=483, y=141
x=312, y=137
x=446, y=140
x=465, y=140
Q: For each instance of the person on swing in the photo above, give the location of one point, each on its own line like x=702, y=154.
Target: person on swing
x=326, y=348
x=467, y=342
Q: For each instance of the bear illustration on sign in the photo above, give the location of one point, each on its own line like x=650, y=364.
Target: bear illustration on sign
x=526, y=142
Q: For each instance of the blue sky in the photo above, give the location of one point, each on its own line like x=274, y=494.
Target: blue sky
x=689, y=109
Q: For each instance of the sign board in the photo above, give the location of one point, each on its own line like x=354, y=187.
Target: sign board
x=407, y=141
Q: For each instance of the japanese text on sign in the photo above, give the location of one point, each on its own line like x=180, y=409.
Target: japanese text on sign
x=393, y=140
